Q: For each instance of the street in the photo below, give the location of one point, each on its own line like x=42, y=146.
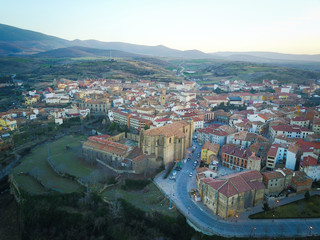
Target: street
x=200, y=216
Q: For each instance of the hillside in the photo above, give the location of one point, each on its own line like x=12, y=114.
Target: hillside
x=42, y=69
x=266, y=57
x=209, y=71
x=19, y=41
x=16, y=41
x=82, y=52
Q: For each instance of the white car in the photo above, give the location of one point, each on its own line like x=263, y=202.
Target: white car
x=190, y=175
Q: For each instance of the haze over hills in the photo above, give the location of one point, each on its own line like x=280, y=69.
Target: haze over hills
x=79, y=52
x=266, y=56
x=16, y=41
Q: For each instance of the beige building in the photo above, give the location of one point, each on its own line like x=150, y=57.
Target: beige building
x=96, y=106
x=233, y=194
x=166, y=144
x=316, y=126
x=118, y=157
x=300, y=121
x=209, y=152
x=274, y=182
x=254, y=162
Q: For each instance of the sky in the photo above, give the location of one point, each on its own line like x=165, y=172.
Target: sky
x=286, y=26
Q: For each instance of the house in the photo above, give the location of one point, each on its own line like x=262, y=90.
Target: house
x=204, y=172
x=138, y=123
x=316, y=126
x=301, y=182
x=122, y=118
x=245, y=138
x=291, y=160
x=276, y=153
x=229, y=195
x=30, y=100
x=274, y=182
x=311, y=167
x=281, y=179
x=257, y=117
x=209, y=151
x=96, y=106
x=239, y=159
x=222, y=116
x=8, y=122
x=197, y=123
x=103, y=150
x=212, y=135
x=290, y=131
x=300, y=121
x=235, y=100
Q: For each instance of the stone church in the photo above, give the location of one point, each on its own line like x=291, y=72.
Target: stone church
x=166, y=144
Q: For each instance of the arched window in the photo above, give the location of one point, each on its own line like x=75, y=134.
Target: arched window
x=169, y=140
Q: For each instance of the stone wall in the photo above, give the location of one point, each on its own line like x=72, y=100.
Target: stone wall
x=117, y=138
x=133, y=137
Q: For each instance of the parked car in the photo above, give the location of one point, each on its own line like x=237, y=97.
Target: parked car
x=190, y=175
x=172, y=178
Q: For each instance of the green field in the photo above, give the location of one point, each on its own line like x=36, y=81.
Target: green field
x=34, y=174
x=149, y=200
x=299, y=209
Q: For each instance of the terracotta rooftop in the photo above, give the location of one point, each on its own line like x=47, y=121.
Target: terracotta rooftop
x=173, y=129
x=108, y=146
x=309, y=161
x=236, y=183
x=300, y=119
x=288, y=128
x=272, y=175
x=273, y=150
x=236, y=151
x=211, y=146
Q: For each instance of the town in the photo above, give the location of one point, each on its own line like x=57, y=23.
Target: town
x=220, y=153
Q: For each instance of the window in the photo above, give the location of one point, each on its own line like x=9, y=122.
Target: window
x=169, y=140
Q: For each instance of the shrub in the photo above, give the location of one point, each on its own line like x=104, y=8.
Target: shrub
x=170, y=167
x=307, y=195
x=135, y=184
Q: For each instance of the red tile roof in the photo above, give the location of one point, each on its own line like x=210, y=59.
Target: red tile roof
x=273, y=150
x=288, y=128
x=309, y=161
x=236, y=151
x=236, y=183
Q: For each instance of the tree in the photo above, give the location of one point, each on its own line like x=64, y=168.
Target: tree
x=266, y=207
x=146, y=127
x=112, y=126
x=307, y=195
x=252, y=91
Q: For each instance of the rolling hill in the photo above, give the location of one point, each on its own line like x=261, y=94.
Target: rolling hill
x=16, y=41
x=82, y=52
x=266, y=57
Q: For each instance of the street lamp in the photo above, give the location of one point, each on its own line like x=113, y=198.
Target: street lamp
x=310, y=227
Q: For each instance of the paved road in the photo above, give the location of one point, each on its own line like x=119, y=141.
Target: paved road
x=200, y=216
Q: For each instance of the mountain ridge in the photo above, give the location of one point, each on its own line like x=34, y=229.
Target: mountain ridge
x=17, y=41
